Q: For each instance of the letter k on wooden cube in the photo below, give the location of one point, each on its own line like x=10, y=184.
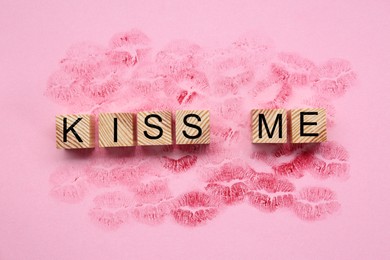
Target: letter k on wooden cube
x=269, y=126
x=75, y=131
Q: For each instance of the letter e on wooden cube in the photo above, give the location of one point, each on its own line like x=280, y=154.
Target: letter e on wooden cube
x=308, y=125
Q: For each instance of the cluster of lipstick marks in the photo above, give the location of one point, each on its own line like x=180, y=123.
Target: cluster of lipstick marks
x=192, y=184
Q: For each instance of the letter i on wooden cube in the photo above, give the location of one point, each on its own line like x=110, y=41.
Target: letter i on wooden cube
x=269, y=126
x=75, y=131
x=116, y=129
x=193, y=127
x=308, y=125
x=154, y=128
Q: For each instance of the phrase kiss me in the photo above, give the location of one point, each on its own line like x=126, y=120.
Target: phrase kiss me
x=77, y=131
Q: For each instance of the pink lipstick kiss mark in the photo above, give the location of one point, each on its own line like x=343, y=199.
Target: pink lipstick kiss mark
x=69, y=193
x=333, y=164
x=227, y=184
x=324, y=170
x=228, y=194
x=152, y=214
x=332, y=150
x=104, y=175
x=270, y=203
x=100, y=89
x=109, y=220
x=300, y=68
x=334, y=78
x=152, y=192
x=234, y=72
x=179, y=56
x=194, y=208
x=129, y=48
x=69, y=186
x=111, y=210
x=179, y=165
x=113, y=200
x=227, y=173
x=63, y=89
x=296, y=167
x=270, y=183
x=262, y=156
x=315, y=203
x=265, y=191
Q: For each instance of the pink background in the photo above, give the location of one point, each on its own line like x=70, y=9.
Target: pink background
x=36, y=34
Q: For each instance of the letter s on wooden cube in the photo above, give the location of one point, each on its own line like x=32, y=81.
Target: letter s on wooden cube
x=193, y=127
x=154, y=128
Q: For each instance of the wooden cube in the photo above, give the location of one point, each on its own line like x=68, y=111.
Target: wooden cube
x=116, y=130
x=154, y=128
x=75, y=131
x=193, y=127
x=308, y=125
x=269, y=126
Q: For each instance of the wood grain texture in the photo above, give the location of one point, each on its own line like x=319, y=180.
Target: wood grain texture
x=203, y=124
x=270, y=116
x=124, y=130
x=85, y=129
x=165, y=124
x=319, y=128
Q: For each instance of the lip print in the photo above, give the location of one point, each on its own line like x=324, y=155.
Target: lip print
x=227, y=184
x=68, y=185
x=152, y=192
x=111, y=209
x=194, y=208
x=152, y=214
x=228, y=194
x=179, y=165
x=296, y=167
x=232, y=73
x=270, y=203
x=109, y=220
x=187, y=85
x=140, y=184
x=269, y=192
x=315, y=203
x=333, y=78
x=270, y=183
x=70, y=193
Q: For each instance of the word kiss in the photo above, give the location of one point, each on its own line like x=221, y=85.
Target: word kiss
x=192, y=127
